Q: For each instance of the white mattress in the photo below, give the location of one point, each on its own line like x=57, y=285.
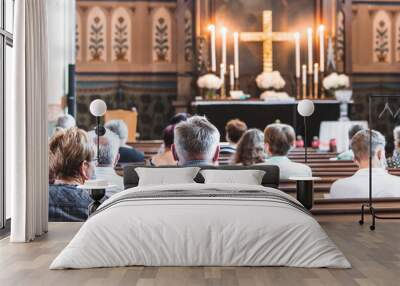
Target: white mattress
x=200, y=231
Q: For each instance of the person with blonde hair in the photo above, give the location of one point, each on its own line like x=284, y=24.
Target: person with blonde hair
x=71, y=156
x=250, y=148
x=279, y=140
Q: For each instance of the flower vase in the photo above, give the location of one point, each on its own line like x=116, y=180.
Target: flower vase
x=344, y=97
x=211, y=94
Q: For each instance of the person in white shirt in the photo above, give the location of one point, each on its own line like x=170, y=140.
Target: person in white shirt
x=107, y=160
x=279, y=139
x=348, y=154
x=357, y=186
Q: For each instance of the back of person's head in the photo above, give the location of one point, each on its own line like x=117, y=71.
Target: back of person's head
x=360, y=145
x=396, y=137
x=354, y=129
x=196, y=139
x=119, y=128
x=250, y=148
x=108, y=148
x=234, y=129
x=178, y=118
x=68, y=150
x=279, y=139
x=168, y=136
x=65, y=121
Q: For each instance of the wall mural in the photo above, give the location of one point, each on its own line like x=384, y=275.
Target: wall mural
x=97, y=29
x=121, y=35
x=161, y=36
x=382, y=39
x=188, y=36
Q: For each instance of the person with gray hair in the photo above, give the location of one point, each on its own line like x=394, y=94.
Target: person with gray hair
x=127, y=153
x=196, y=142
x=357, y=186
x=107, y=160
x=65, y=122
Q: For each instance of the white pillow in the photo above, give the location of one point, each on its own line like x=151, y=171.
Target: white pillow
x=247, y=177
x=166, y=176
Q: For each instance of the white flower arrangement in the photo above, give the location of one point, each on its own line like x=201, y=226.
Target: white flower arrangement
x=336, y=81
x=209, y=81
x=270, y=80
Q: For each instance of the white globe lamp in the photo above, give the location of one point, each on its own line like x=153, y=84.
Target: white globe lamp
x=305, y=108
x=98, y=107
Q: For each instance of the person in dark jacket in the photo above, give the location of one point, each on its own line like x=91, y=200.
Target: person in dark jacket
x=127, y=153
x=71, y=156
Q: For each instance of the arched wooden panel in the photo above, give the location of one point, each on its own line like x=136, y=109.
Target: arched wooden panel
x=382, y=37
x=397, y=33
x=162, y=36
x=96, y=35
x=78, y=38
x=121, y=31
x=188, y=36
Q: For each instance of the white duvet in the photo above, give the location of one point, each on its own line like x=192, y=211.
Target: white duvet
x=205, y=231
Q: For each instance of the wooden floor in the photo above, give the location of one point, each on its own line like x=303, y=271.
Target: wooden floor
x=375, y=257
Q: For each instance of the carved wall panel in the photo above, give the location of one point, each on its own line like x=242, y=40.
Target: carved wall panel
x=96, y=35
x=78, y=37
x=340, y=39
x=382, y=37
x=161, y=36
x=397, y=37
x=121, y=32
x=188, y=36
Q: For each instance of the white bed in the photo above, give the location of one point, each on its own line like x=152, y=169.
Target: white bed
x=222, y=225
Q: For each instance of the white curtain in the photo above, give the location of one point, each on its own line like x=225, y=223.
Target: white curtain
x=26, y=123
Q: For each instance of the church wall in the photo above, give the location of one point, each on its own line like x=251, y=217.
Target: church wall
x=133, y=54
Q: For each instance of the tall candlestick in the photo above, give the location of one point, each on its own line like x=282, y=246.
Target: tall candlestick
x=236, y=53
x=304, y=81
x=223, y=32
x=316, y=80
x=310, y=50
x=321, y=48
x=231, y=77
x=221, y=72
x=297, y=43
x=222, y=75
x=211, y=28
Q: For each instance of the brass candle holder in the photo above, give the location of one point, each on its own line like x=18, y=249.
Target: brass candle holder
x=310, y=86
x=298, y=88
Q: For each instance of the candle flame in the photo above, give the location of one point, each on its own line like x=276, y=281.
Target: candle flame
x=211, y=27
x=235, y=34
x=224, y=30
x=321, y=28
x=296, y=36
x=309, y=31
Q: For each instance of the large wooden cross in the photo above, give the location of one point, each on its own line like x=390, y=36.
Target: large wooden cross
x=267, y=37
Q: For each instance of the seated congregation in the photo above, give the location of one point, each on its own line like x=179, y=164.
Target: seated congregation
x=195, y=141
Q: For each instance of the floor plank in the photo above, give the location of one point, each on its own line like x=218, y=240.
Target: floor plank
x=375, y=257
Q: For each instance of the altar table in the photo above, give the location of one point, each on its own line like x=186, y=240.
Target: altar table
x=258, y=113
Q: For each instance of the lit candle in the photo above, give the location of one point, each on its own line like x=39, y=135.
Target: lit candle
x=316, y=73
x=222, y=74
x=231, y=77
x=297, y=43
x=321, y=48
x=236, y=53
x=310, y=50
x=211, y=28
x=223, y=32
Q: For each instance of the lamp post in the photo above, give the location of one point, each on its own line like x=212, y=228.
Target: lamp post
x=98, y=108
x=305, y=108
